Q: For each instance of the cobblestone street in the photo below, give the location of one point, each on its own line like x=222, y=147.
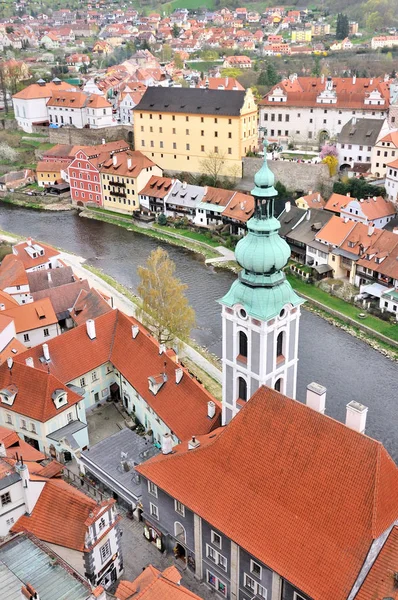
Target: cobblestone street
x=138, y=553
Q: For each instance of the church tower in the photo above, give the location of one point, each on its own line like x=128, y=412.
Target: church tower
x=261, y=311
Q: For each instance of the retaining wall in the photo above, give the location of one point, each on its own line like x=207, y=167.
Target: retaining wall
x=295, y=176
x=83, y=137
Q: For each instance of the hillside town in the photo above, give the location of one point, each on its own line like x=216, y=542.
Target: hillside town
x=198, y=301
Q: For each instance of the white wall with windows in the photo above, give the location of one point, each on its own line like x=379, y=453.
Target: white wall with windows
x=40, y=335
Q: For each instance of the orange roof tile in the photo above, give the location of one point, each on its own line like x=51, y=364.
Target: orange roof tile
x=241, y=207
x=89, y=305
x=138, y=162
x=33, y=315
x=182, y=406
x=62, y=98
x=358, y=240
x=335, y=231
x=157, y=187
x=97, y=101
x=7, y=300
x=35, y=388
x=28, y=262
x=336, y=202
x=380, y=582
x=15, y=445
x=59, y=515
x=386, y=247
x=13, y=348
x=314, y=200
x=12, y=272
x=312, y=488
x=151, y=584
x=42, y=91
x=47, y=166
x=374, y=208
x=391, y=137
x=393, y=164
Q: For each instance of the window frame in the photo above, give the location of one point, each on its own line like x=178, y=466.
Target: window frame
x=182, y=512
x=154, y=511
x=253, y=562
x=5, y=499
x=212, y=536
x=105, y=551
x=152, y=489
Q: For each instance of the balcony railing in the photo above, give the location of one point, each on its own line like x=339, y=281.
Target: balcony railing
x=117, y=183
x=119, y=194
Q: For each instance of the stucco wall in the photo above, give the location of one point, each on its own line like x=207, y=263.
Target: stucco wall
x=295, y=176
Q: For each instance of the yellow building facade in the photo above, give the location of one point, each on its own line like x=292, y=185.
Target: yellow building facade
x=182, y=129
x=48, y=173
x=301, y=35
x=123, y=176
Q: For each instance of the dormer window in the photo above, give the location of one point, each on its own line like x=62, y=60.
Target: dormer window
x=60, y=398
x=101, y=524
x=155, y=382
x=8, y=394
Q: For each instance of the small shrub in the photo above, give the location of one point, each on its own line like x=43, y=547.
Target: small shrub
x=162, y=219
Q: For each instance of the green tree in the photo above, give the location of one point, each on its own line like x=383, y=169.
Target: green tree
x=164, y=308
x=178, y=62
x=342, y=27
x=175, y=31
x=262, y=78
x=374, y=21
x=272, y=75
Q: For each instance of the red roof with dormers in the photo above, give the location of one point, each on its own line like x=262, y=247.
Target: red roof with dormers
x=303, y=91
x=182, y=407
x=35, y=389
x=28, y=261
x=316, y=494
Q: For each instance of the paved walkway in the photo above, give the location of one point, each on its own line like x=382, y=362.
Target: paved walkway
x=226, y=256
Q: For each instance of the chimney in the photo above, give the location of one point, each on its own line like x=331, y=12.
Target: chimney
x=322, y=79
x=129, y=163
x=226, y=82
x=29, y=361
x=10, y=362
x=135, y=331
x=184, y=185
x=28, y=497
x=114, y=160
x=316, y=397
x=354, y=79
x=371, y=82
x=3, y=452
x=288, y=206
x=162, y=348
x=205, y=190
x=371, y=229
x=90, y=325
x=211, y=409
x=103, y=141
x=193, y=443
x=348, y=194
x=309, y=193
x=49, y=278
x=374, y=198
x=167, y=444
x=354, y=120
x=29, y=593
x=46, y=352
x=179, y=374
x=356, y=416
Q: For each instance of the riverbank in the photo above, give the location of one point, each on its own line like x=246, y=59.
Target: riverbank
x=36, y=205
x=126, y=222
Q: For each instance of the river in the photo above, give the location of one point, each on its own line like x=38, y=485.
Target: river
x=349, y=368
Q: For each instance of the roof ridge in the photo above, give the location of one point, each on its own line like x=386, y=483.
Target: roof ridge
x=375, y=490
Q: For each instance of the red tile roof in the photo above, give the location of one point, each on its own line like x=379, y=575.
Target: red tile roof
x=373, y=208
x=7, y=300
x=241, y=207
x=157, y=187
x=336, y=202
x=358, y=240
x=182, y=406
x=303, y=91
x=15, y=445
x=385, y=247
x=12, y=272
x=33, y=315
x=316, y=493
x=335, y=231
x=42, y=91
x=89, y=305
x=28, y=262
x=138, y=162
x=59, y=515
x=151, y=584
x=35, y=388
x=380, y=583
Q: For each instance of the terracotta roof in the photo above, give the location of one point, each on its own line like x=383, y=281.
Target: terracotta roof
x=218, y=196
x=12, y=272
x=359, y=236
x=28, y=262
x=139, y=162
x=335, y=231
x=314, y=200
x=59, y=515
x=13, y=348
x=312, y=488
x=89, y=305
x=393, y=164
x=215, y=83
x=47, y=166
x=241, y=207
x=62, y=297
x=182, y=406
x=151, y=584
x=336, y=202
x=75, y=99
x=373, y=208
x=97, y=101
x=35, y=388
x=6, y=299
x=380, y=583
x=303, y=91
x=42, y=91
x=385, y=247
x=157, y=187
x=32, y=315
x=15, y=445
x=391, y=137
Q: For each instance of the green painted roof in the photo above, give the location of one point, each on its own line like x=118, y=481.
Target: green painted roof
x=262, y=288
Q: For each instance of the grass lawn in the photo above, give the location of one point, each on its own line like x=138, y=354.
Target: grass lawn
x=203, y=65
x=191, y=4
x=193, y=235
x=301, y=156
x=390, y=330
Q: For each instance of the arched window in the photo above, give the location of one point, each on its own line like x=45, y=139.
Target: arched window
x=242, y=344
x=179, y=532
x=279, y=344
x=278, y=385
x=242, y=389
